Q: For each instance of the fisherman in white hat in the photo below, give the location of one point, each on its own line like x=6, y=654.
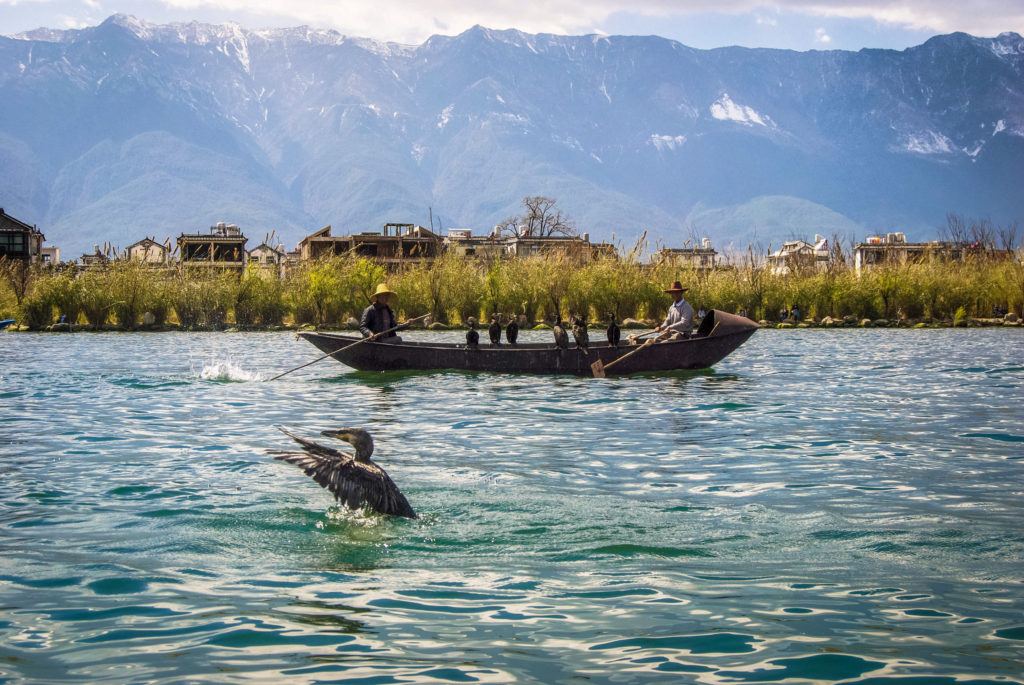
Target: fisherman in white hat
x=378, y=317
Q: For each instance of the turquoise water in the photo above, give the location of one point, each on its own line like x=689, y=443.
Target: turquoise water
x=823, y=506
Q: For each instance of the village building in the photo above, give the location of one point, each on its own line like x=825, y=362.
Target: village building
x=799, y=256
x=322, y=244
x=49, y=254
x=269, y=258
x=147, y=251
x=18, y=240
x=893, y=249
x=462, y=243
x=575, y=247
x=267, y=255
x=95, y=258
x=702, y=258
x=395, y=244
x=223, y=246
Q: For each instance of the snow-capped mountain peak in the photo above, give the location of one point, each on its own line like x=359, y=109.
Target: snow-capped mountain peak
x=131, y=124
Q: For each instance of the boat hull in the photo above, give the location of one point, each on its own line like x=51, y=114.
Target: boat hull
x=712, y=343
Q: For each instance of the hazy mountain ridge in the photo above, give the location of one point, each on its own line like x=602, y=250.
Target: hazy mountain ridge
x=130, y=128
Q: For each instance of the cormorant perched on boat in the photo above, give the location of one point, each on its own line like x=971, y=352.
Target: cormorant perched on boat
x=512, y=331
x=561, y=337
x=354, y=480
x=472, y=337
x=494, y=330
x=613, y=332
x=580, y=335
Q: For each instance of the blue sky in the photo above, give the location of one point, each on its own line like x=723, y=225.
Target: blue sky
x=791, y=24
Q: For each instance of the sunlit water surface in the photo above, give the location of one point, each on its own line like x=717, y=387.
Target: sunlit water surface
x=823, y=506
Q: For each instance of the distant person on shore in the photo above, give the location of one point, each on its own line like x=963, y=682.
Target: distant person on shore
x=378, y=317
x=743, y=312
x=701, y=313
x=679, y=322
x=783, y=314
x=795, y=313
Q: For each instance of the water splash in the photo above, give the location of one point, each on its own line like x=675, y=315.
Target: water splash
x=228, y=372
x=345, y=516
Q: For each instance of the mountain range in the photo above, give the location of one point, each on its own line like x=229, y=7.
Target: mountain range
x=128, y=129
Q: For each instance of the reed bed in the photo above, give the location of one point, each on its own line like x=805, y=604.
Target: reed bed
x=330, y=292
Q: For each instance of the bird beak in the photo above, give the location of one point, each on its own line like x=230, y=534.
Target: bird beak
x=341, y=434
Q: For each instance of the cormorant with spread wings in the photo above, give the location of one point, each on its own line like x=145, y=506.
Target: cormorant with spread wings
x=354, y=480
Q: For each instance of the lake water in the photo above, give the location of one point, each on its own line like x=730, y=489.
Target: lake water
x=823, y=506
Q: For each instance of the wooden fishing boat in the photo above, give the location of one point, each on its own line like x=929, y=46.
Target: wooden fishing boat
x=718, y=336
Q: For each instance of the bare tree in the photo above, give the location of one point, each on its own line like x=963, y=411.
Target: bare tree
x=955, y=230
x=541, y=219
x=982, y=235
x=508, y=226
x=1008, y=237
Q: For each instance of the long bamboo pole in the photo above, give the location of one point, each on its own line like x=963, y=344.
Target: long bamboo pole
x=349, y=347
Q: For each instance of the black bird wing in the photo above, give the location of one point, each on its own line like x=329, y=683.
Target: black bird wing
x=352, y=482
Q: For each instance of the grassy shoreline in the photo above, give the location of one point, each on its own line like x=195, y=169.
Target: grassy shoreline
x=327, y=294
x=595, y=330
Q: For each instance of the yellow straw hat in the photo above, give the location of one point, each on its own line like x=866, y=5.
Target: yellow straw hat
x=382, y=289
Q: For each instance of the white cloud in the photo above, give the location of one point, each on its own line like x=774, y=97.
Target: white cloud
x=821, y=36
x=980, y=17
x=68, y=22
x=415, y=20
x=928, y=143
x=663, y=142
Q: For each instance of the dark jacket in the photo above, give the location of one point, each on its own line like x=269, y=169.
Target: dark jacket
x=377, y=318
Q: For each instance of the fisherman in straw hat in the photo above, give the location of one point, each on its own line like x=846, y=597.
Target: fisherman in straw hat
x=679, y=322
x=378, y=317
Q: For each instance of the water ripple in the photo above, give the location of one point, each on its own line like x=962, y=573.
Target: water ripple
x=824, y=506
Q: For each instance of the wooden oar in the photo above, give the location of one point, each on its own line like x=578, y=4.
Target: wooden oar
x=645, y=335
x=349, y=347
x=598, y=368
